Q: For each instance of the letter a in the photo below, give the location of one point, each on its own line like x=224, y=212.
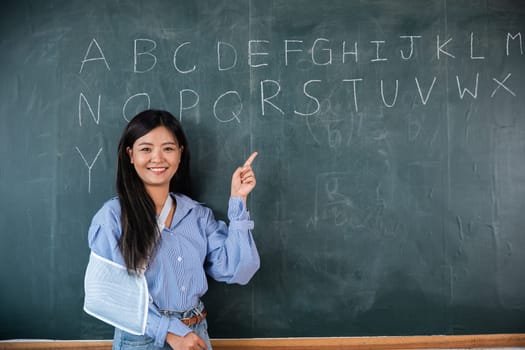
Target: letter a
x=101, y=57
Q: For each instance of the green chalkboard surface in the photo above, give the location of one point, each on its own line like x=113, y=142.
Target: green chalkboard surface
x=391, y=169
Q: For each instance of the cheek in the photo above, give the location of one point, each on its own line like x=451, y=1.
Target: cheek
x=137, y=159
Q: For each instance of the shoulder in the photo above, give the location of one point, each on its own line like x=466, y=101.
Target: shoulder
x=108, y=214
x=105, y=231
x=188, y=204
x=182, y=198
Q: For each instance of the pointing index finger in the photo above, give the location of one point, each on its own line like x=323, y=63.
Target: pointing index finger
x=250, y=159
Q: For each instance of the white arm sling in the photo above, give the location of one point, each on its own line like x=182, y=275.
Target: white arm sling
x=115, y=296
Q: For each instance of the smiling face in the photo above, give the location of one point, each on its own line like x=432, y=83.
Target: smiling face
x=156, y=157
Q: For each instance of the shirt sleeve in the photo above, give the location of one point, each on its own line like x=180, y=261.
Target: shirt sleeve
x=232, y=254
x=103, y=236
x=158, y=326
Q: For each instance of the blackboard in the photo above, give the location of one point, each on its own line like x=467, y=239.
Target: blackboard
x=391, y=174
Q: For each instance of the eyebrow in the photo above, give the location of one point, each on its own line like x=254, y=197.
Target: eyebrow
x=164, y=143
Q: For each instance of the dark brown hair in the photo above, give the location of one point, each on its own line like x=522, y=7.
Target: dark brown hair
x=138, y=218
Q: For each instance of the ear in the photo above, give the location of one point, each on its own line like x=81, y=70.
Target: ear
x=130, y=154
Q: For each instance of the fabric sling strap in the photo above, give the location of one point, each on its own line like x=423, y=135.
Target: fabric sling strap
x=114, y=295
x=161, y=219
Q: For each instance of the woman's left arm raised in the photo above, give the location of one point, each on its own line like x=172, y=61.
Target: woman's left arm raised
x=232, y=254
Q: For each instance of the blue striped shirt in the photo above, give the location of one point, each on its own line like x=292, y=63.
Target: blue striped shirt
x=194, y=245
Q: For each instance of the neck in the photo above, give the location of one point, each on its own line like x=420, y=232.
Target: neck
x=158, y=195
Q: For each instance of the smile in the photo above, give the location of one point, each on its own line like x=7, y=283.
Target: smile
x=158, y=170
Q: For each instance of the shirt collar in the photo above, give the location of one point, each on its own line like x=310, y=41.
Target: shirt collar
x=183, y=206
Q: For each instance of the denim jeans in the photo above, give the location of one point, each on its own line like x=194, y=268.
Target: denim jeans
x=124, y=341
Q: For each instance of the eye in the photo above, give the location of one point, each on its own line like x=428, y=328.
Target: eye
x=145, y=149
x=171, y=148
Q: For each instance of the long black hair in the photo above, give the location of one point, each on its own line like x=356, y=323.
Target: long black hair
x=138, y=218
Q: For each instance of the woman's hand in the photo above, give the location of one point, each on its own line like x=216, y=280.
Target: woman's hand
x=243, y=179
x=190, y=341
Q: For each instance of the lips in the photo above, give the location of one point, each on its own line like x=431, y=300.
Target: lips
x=158, y=170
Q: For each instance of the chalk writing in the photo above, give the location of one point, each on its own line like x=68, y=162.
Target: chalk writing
x=82, y=100
x=462, y=91
x=318, y=106
x=137, y=54
x=220, y=46
x=340, y=115
x=500, y=84
x=424, y=99
x=411, y=53
x=234, y=114
x=180, y=70
x=133, y=97
x=322, y=52
x=395, y=95
x=330, y=203
x=88, y=53
x=88, y=165
x=183, y=107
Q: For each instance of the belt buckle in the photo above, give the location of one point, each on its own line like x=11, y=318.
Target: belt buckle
x=190, y=321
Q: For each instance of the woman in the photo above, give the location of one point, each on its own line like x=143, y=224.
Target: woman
x=175, y=253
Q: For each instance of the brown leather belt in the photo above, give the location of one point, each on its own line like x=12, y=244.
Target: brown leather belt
x=190, y=321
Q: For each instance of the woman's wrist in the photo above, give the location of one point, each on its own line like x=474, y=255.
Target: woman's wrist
x=237, y=209
x=236, y=195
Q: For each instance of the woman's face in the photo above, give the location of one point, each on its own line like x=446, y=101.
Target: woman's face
x=156, y=157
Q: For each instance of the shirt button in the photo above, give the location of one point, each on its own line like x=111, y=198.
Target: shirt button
x=179, y=259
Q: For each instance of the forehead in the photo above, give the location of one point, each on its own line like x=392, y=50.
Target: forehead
x=159, y=135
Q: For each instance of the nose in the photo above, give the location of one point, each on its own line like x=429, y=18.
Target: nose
x=156, y=155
